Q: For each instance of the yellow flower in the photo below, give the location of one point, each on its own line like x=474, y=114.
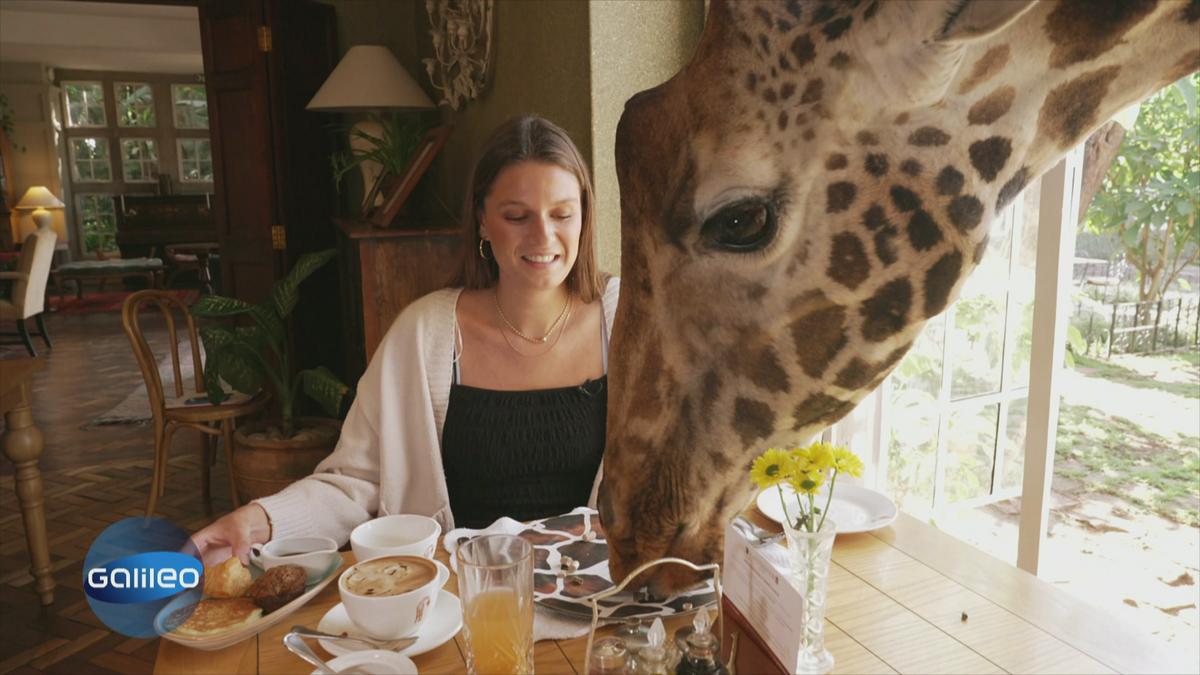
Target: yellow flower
x=820, y=455
x=806, y=483
x=772, y=468
x=847, y=462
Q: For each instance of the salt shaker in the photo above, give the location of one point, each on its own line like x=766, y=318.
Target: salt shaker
x=610, y=657
x=653, y=658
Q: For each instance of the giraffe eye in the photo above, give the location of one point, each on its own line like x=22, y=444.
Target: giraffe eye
x=741, y=227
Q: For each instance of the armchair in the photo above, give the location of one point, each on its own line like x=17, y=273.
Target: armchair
x=29, y=287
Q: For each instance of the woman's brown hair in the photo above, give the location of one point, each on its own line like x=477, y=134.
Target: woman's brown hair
x=528, y=139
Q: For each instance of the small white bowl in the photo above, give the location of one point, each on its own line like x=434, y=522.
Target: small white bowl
x=374, y=662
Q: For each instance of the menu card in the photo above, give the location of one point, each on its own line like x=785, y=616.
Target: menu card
x=764, y=595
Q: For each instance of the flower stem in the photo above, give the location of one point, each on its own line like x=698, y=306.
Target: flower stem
x=828, y=498
x=783, y=503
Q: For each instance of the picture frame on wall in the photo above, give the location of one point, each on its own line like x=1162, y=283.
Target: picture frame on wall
x=396, y=189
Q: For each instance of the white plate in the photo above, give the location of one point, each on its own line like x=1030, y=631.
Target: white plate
x=854, y=508
x=223, y=640
x=441, y=626
x=374, y=662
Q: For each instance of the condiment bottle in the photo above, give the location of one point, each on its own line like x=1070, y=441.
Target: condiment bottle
x=610, y=657
x=700, y=655
x=653, y=658
x=633, y=634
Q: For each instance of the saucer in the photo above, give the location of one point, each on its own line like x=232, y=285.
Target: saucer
x=373, y=661
x=442, y=625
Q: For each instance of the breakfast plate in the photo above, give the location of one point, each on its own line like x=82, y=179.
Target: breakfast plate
x=441, y=626
x=854, y=508
x=373, y=662
x=227, y=638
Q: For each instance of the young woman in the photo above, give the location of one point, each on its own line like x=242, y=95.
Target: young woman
x=483, y=400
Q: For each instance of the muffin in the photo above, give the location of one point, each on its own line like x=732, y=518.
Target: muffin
x=277, y=587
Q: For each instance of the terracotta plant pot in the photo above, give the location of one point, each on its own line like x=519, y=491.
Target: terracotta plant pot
x=262, y=467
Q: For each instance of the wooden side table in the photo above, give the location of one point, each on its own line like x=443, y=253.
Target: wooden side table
x=21, y=443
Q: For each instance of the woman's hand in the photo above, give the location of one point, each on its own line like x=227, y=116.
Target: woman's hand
x=233, y=534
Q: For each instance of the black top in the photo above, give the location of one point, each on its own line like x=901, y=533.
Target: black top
x=522, y=454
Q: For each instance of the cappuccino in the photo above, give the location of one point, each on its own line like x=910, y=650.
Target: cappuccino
x=393, y=575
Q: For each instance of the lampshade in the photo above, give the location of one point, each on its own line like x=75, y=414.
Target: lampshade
x=369, y=78
x=38, y=197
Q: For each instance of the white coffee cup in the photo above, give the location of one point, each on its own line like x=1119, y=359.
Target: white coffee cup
x=314, y=554
x=395, y=535
x=387, y=617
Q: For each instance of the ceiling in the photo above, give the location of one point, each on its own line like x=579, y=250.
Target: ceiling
x=101, y=36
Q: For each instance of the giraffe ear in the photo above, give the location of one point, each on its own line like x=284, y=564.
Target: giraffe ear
x=967, y=20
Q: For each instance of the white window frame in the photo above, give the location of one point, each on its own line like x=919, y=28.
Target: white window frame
x=179, y=153
x=79, y=198
x=143, y=162
x=174, y=121
x=67, y=105
x=117, y=106
x=74, y=160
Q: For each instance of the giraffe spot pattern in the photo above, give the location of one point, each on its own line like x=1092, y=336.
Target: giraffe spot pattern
x=769, y=95
x=783, y=25
x=884, y=249
x=848, y=263
x=709, y=390
x=867, y=138
x=836, y=28
x=765, y=16
x=876, y=165
x=836, y=161
x=992, y=107
x=762, y=368
x=809, y=135
x=825, y=12
x=783, y=120
x=819, y=409
x=784, y=64
x=813, y=91
x=1012, y=188
x=901, y=119
x=874, y=218
x=751, y=81
x=803, y=49
x=793, y=8
x=965, y=212
x=786, y=91
x=854, y=375
x=886, y=313
x=1084, y=31
x=1071, y=107
x=906, y=200
x=987, y=67
x=840, y=196
x=1187, y=65
x=989, y=156
x=911, y=167
x=765, y=45
x=928, y=137
x=1191, y=14
x=940, y=280
x=923, y=232
x=949, y=181
x=871, y=9
x=819, y=336
x=841, y=61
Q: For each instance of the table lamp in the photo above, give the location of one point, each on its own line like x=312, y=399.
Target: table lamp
x=369, y=79
x=38, y=199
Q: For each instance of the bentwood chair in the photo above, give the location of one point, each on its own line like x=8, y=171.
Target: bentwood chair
x=179, y=408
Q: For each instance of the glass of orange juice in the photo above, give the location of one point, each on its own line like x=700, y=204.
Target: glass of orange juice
x=495, y=584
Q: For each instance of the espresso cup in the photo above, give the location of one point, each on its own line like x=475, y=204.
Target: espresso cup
x=314, y=554
x=395, y=535
x=390, y=597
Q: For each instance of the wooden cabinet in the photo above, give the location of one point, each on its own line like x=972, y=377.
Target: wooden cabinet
x=383, y=270
x=146, y=222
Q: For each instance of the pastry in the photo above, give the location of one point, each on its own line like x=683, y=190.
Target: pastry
x=227, y=580
x=278, y=586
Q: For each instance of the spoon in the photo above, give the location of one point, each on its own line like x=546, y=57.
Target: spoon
x=388, y=645
x=756, y=535
x=296, y=646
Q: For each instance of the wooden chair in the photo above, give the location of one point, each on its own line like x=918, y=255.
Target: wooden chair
x=189, y=409
x=29, y=287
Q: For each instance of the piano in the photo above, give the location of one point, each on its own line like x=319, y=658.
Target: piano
x=154, y=221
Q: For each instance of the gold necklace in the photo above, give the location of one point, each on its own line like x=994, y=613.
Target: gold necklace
x=541, y=340
x=548, y=349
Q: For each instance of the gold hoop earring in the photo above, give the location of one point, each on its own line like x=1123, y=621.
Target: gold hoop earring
x=481, y=254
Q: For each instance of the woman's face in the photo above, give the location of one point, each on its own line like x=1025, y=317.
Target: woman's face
x=532, y=217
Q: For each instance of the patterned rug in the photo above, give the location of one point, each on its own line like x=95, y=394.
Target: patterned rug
x=135, y=408
x=109, y=302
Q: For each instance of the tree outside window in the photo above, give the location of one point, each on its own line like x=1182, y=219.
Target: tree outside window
x=98, y=222
x=85, y=104
x=135, y=104
x=191, y=106
x=195, y=159
x=89, y=160
x=139, y=159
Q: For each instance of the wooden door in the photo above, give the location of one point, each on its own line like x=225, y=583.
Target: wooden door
x=246, y=207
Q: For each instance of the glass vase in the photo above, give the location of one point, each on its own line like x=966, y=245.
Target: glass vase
x=810, y=553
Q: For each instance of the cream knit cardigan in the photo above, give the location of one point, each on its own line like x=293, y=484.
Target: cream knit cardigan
x=389, y=457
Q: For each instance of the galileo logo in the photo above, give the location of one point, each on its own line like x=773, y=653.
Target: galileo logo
x=139, y=572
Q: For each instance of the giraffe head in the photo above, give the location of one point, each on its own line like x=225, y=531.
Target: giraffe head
x=798, y=201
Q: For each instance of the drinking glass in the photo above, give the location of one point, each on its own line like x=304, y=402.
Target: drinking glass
x=495, y=584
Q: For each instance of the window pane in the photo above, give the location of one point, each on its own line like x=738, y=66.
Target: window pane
x=81, y=149
x=101, y=171
x=91, y=242
x=912, y=459
x=970, y=449
x=133, y=171
x=187, y=150
x=85, y=104
x=204, y=149
x=110, y=244
x=83, y=170
x=95, y=116
x=191, y=106
x=1014, y=444
x=135, y=105
x=921, y=369
x=206, y=171
x=977, y=346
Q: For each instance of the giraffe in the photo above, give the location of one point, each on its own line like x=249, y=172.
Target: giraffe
x=799, y=200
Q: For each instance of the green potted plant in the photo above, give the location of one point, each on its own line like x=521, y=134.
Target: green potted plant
x=271, y=454
x=392, y=148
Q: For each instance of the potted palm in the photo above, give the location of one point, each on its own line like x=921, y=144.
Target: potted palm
x=270, y=455
x=390, y=149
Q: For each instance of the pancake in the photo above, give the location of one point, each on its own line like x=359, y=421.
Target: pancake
x=227, y=580
x=218, y=616
x=278, y=586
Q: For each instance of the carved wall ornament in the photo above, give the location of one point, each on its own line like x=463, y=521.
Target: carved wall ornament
x=462, y=41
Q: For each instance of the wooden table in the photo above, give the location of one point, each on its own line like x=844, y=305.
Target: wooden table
x=22, y=445
x=897, y=600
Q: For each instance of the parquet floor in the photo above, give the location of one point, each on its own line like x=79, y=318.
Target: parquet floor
x=93, y=477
